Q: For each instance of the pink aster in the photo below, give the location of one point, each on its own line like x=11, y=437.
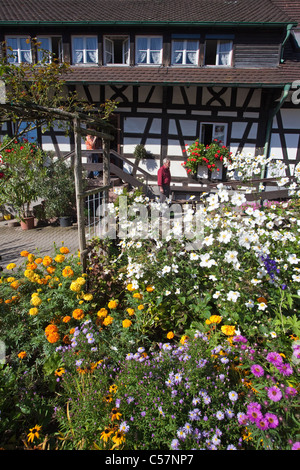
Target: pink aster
x=262, y=423
x=257, y=370
x=285, y=369
x=274, y=394
x=275, y=358
x=272, y=420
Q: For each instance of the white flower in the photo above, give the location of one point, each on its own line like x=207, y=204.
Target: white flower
x=292, y=259
x=208, y=240
x=217, y=294
x=250, y=303
x=262, y=306
x=231, y=256
x=233, y=296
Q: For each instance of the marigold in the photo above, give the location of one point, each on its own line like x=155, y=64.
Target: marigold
x=108, y=320
x=36, y=301
x=51, y=269
x=47, y=261
x=141, y=307
x=88, y=297
x=11, y=266
x=38, y=260
x=78, y=314
x=59, y=258
x=15, y=284
x=53, y=337
x=30, y=257
x=137, y=295
x=64, y=250
x=126, y=323
x=66, y=319
x=228, y=330
x=170, y=335
x=130, y=287
x=68, y=271
x=112, y=304
x=75, y=287
x=213, y=319
x=130, y=311
x=150, y=288
x=33, y=311
x=102, y=312
x=184, y=339
x=24, y=253
x=22, y=354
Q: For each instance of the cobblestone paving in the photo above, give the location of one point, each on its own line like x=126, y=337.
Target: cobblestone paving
x=39, y=240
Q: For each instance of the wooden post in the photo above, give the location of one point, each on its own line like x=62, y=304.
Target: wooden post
x=106, y=164
x=79, y=190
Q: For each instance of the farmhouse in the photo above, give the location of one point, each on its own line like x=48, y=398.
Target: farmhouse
x=180, y=70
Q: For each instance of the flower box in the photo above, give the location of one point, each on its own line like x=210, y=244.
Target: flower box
x=202, y=172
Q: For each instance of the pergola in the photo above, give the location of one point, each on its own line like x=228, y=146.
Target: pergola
x=76, y=119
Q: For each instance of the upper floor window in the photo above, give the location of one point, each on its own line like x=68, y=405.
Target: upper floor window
x=85, y=50
x=149, y=50
x=44, y=48
x=218, y=52
x=116, y=50
x=18, y=49
x=185, y=52
x=210, y=131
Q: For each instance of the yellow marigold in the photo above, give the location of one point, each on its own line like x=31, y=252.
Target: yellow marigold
x=68, y=271
x=10, y=279
x=64, y=250
x=28, y=273
x=30, y=257
x=88, y=297
x=170, y=335
x=137, y=295
x=8, y=301
x=59, y=258
x=81, y=281
x=108, y=320
x=141, y=307
x=22, y=354
x=24, y=253
x=66, y=319
x=130, y=311
x=228, y=330
x=33, y=311
x=75, y=287
x=214, y=319
x=38, y=260
x=78, y=314
x=102, y=312
x=184, y=339
x=126, y=323
x=51, y=269
x=47, y=260
x=11, y=266
x=150, y=288
x=112, y=304
x=130, y=287
x=36, y=301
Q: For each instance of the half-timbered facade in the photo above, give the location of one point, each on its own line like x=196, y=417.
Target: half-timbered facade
x=180, y=70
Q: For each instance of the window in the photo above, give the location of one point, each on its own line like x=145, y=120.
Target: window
x=18, y=49
x=185, y=52
x=211, y=131
x=44, y=47
x=116, y=50
x=149, y=50
x=85, y=50
x=218, y=52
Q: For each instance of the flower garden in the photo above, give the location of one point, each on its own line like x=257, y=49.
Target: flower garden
x=165, y=343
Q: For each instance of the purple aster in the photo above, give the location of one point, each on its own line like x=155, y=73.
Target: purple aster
x=275, y=358
x=253, y=412
x=285, y=369
x=240, y=339
x=257, y=370
x=175, y=444
x=274, y=394
x=262, y=423
x=242, y=419
x=272, y=420
x=296, y=446
x=291, y=391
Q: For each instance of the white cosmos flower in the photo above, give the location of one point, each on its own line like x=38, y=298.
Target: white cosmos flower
x=231, y=256
x=224, y=236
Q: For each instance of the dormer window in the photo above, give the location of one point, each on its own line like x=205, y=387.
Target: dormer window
x=116, y=50
x=149, y=50
x=185, y=52
x=18, y=49
x=218, y=51
x=84, y=50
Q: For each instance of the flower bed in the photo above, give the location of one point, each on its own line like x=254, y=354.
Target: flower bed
x=167, y=342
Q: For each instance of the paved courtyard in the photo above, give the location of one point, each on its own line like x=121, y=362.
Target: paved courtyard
x=39, y=240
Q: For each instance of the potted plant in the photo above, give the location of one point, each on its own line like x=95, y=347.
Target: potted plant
x=206, y=161
x=21, y=171
x=58, y=192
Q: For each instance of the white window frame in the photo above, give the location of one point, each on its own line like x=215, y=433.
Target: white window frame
x=125, y=50
x=84, y=51
x=148, y=50
x=214, y=125
x=39, y=52
x=17, y=52
x=184, y=52
x=219, y=41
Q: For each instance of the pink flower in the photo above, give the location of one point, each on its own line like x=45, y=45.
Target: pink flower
x=274, y=394
x=272, y=420
x=257, y=370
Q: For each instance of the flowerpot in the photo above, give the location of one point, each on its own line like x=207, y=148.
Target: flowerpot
x=192, y=177
x=27, y=223
x=65, y=221
x=202, y=172
x=217, y=174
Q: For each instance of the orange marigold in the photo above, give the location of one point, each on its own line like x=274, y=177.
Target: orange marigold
x=78, y=314
x=64, y=250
